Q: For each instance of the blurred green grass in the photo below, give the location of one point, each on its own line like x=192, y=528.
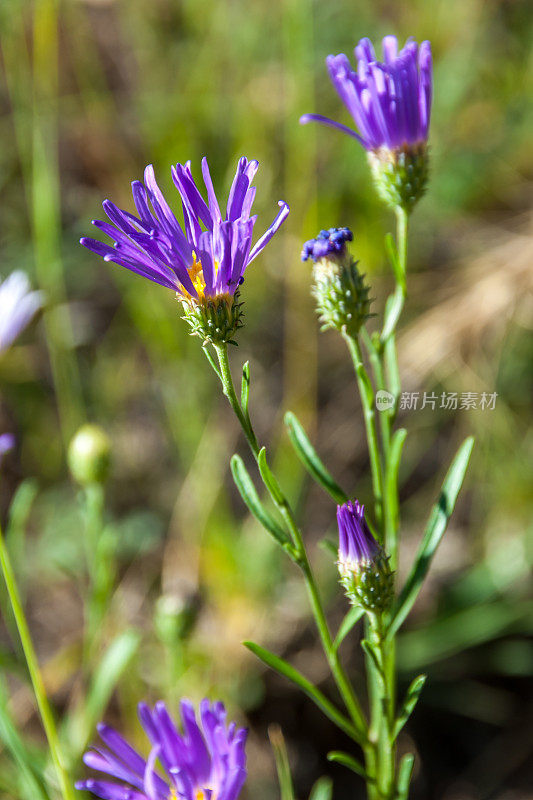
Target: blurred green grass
x=92, y=92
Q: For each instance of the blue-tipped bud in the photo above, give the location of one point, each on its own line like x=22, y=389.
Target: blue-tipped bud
x=363, y=565
x=339, y=288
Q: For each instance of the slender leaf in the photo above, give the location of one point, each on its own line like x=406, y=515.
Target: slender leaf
x=393, y=310
x=392, y=252
x=411, y=699
x=435, y=529
x=246, y=488
x=352, y=617
x=369, y=650
x=281, y=757
x=310, y=459
x=279, y=665
x=391, y=475
x=322, y=789
x=404, y=777
x=110, y=668
x=269, y=479
x=27, y=763
x=348, y=761
x=245, y=387
x=212, y=361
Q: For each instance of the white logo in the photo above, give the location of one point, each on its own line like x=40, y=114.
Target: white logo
x=384, y=400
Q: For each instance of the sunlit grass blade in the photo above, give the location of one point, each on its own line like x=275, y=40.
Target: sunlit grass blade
x=438, y=521
x=326, y=706
x=24, y=757
x=310, y=459
x=411, y=699
x=281, y=757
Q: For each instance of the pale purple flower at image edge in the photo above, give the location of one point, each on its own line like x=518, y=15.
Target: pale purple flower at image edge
x=18, y=304
x=205, y=762
x=389, y=101
x=208, y=256
x=357, y=546
x=7, y=443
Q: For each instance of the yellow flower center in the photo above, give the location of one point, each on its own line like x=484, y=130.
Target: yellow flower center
x=196, y=275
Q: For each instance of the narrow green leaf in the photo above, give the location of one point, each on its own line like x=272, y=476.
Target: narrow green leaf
x=245, y=387
x=279, y=665
x=391, y=475
x=435, y=529
x=392, y=252
x=110, y=668
x=281, y=757
x=393, y=310
x=244, y=484
x=24, y=756
x=348, y=761
x=269, y=479
x=211, y=360
x=352, y=617
x=310, y=459
x=322, y=789
x=411, y=699
x=404, y=777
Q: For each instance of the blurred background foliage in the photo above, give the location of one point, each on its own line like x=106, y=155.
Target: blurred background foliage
x=91, y=91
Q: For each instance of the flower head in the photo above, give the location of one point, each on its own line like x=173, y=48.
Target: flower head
x=205, y=258
x=390, y=101
x=330, y=242
x=205, y=762
x=17, y=306
x=363, y=566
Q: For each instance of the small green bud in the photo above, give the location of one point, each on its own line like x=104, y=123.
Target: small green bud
x=341, y=293
x=175, y=616
x=214, y=319
x=400, y=175
x=89, y=455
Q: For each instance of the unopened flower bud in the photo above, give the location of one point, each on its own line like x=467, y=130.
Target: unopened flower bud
x=363, y=565
x=339, y=288
x=89, y=455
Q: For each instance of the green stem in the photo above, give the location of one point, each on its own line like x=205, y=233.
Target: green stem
x=47, y=717
x=382, y=723
x=100, y=567
x=345, y=688
x=367, y=400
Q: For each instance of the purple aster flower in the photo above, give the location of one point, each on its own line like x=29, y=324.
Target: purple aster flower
x=17, y=306
x=332, y=241
x=357, y=546
x=207, y=255
x=205, y=762
x=390, y=101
